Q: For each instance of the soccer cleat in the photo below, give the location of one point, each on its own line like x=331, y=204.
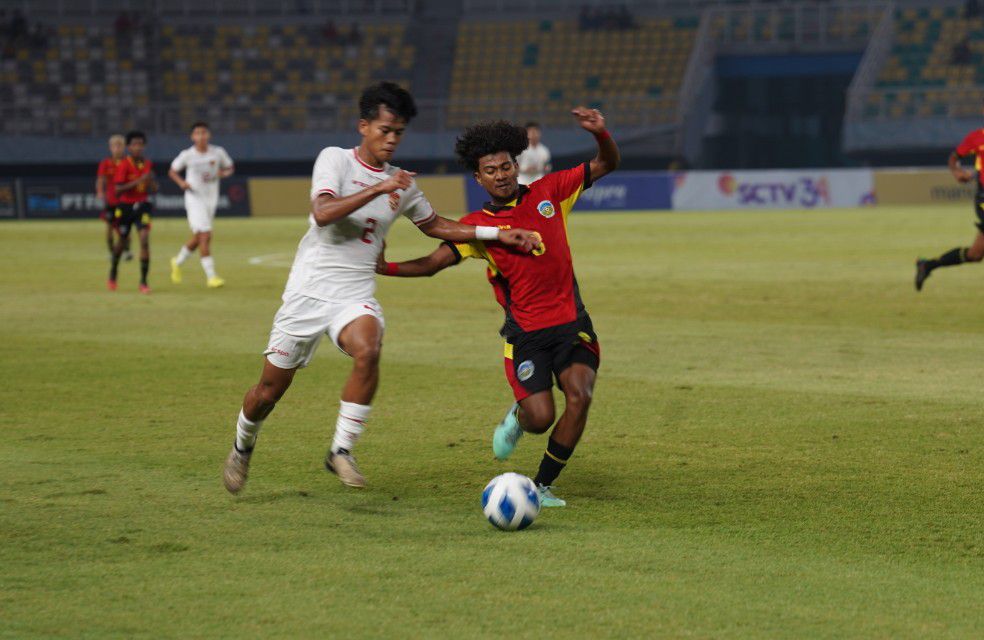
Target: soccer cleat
x=215, y=282
x=921, y=273
x=175, y=271
x=507, y=434
x=144, y=289
x=236, y=470
x=111, y=285
x=342, y=464
x=547, y=498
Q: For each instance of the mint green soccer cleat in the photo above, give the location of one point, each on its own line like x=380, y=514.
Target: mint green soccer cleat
x=507, y=434
x=547, y=498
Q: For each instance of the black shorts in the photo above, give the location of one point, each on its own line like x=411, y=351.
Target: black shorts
x=534, y=359
x=128, y=216
x=979, y=208
x=108, y=213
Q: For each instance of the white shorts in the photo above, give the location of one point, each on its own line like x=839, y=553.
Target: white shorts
x=301, y=322
x=200, y=213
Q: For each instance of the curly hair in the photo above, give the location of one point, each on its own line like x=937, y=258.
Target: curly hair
x=396, y=98
x=485, y=138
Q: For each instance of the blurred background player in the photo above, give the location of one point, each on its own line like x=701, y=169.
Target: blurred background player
x=134, y=182
x=548, y=331
x=972, y=145
x=355, y=196
x=204, y=165
x=106, y=191
x=534, y=162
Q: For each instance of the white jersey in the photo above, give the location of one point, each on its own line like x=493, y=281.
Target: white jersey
x=202, y=171
x=337, y=262
x=533, y=163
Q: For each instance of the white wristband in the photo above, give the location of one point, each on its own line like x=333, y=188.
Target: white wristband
x=486, y=233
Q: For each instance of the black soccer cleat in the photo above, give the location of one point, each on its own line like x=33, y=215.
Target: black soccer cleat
x=922, y=272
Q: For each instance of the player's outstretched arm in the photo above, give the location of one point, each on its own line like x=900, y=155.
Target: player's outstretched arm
x=442, y=258
x=326, y=208
x=608, y=157
x=444, y=229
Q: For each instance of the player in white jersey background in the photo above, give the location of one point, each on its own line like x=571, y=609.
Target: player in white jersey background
x=355, y=197
x=204, y=165
x=534, y=162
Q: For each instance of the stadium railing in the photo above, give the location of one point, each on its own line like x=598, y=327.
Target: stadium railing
x=231, y=8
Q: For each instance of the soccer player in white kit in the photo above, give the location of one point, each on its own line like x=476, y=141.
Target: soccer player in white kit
x=355, y=197
x=204, y=165
x=534, y=162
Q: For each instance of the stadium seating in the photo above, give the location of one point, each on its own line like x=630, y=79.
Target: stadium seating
x=277, y=78
x=539, y=69
x=920, y=78
x=89, y=79
x=85, y=80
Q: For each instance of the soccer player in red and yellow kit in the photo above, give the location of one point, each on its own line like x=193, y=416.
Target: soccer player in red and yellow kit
x=106, y=189
x=134, y=182
x=548, y=331
x=972, y=145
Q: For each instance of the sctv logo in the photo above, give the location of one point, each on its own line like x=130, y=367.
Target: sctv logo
x=804, y=192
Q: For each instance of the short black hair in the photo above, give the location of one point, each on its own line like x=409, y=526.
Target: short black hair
x=396, y=98
x=200, y=123
x=532, y=124
x=485, y=138
x=132, y=135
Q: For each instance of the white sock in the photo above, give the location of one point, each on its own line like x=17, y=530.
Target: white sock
x=351, y=422
x=209, y=266
x=183, y=255
x=246, y=432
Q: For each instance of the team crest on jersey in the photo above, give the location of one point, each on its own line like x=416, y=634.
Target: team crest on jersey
x=394, y=201
x=525, y=370
x=546, y=209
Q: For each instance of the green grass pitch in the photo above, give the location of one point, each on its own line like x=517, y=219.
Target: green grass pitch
x=786, y=441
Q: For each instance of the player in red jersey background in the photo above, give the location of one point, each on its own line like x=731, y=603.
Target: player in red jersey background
x=972, y=145
x=547, y=329
x=106, y=190
x=134, y=184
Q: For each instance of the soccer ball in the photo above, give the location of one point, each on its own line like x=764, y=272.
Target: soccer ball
x=511, y=502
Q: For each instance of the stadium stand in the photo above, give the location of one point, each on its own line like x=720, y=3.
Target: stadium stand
x=274, y=78
x=924, y=75
x=553, y=64
x=92, y=79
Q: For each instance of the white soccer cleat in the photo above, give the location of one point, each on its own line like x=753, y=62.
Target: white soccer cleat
x=342, y=464
x=236, y=470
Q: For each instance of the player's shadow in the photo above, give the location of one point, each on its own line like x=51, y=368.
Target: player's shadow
x=275, y=496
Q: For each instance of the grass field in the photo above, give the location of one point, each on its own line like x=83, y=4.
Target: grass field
x=786, y=442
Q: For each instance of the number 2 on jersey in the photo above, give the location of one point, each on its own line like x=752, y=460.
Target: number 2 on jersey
x=370, y=228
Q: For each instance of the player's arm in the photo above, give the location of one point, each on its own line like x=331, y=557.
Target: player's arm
x=226, y=165
x=444, y=229
x=328, y=208
x=178, y=180
x=441, y=258
x=959, y=173
x=101, y=186
x=126, y=186
x=225, y=172
x=608, y=158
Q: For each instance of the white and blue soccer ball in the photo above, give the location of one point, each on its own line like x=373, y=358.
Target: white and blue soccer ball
x=511, y=502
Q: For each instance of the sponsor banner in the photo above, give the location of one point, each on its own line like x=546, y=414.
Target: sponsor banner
x=793, y=189
x=76, y=198
x=626, y=190
x=921, y=186
x=8, y=199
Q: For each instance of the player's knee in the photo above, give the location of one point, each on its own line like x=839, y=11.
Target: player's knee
x=537, y=419
x=578, y=397
x=270, y=392
x=366, y=355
